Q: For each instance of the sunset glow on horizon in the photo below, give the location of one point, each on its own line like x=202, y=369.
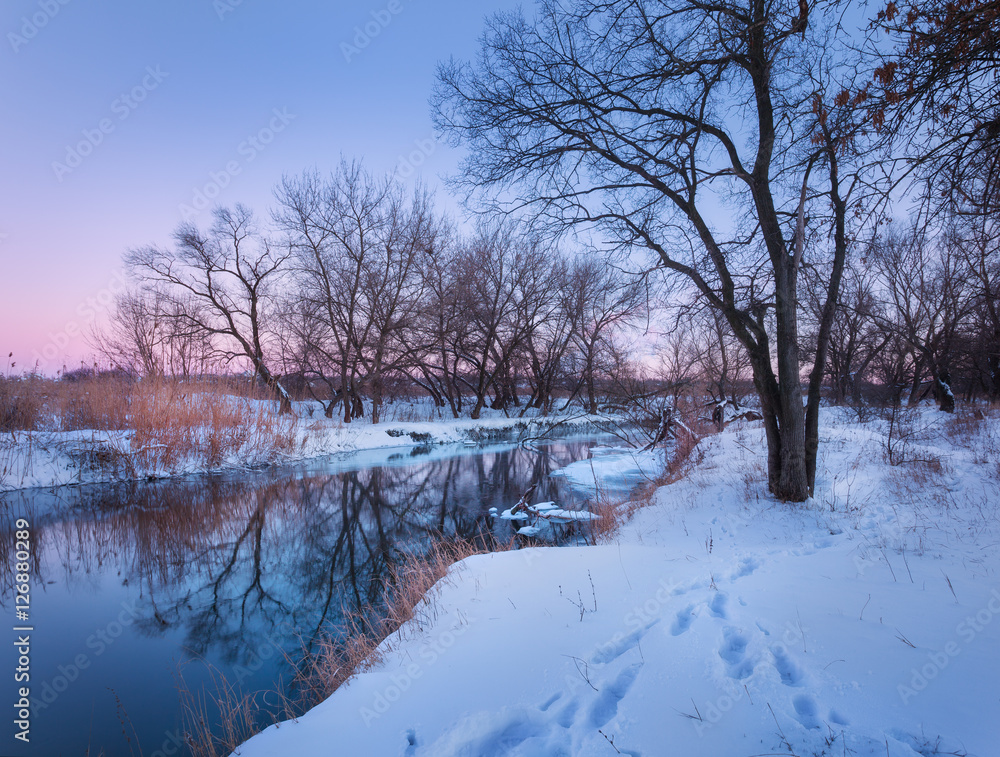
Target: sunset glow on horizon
x=127, y=120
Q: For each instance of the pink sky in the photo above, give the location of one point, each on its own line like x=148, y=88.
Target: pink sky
x=84, y=75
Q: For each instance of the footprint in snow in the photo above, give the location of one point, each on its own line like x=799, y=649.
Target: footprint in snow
x=567, y=715
x=734, y=645
x=611, y=693
x=733, y=651
x=836, y=717
x=613, y=650
x=746, y=567
x=544, y=706
x=790, y=672
x=718, y=606
x=805, y=711
x=683, y=621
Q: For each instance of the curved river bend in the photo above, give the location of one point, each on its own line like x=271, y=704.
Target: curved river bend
x=131, y=584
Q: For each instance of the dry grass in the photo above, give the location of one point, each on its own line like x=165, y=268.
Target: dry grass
x=683, y=458
x=172, y=422
x=333, y=661
x=409, y=608
x=976, y=428
x=904, y=435
x=327, y=663
x=753, y=475
x=165, y=422
x=747, y=467
x=100, y=403
x=20, y=403
x=615, y=513
x=34, y=403
x=965, y=423
x=402, y=411
x=207, y=735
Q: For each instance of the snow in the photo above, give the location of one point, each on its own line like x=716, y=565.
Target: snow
x=613, y=470
x=717, y=622
x=546, y=511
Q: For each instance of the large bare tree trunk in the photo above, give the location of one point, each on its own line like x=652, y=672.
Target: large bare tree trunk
x=592, y=142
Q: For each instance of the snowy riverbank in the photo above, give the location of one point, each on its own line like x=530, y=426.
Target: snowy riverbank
x=50, y=458
x=718, y=622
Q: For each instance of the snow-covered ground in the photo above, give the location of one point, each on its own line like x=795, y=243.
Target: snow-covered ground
x=45, y=459
x=717, y=621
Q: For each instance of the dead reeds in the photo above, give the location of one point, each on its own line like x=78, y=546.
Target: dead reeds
x=327, y=662
x=20, y=403
x=615, y=513
x=217, y=719
x=150, y=427
x=409, y=607
x=172, y=423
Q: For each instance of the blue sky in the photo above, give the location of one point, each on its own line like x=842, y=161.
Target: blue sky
x=118, y=114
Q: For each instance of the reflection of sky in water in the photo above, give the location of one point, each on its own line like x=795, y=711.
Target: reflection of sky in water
x=130, y=583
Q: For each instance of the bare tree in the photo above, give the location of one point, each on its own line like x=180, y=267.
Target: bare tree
x=975, y=238
x=604, y=299
x=938, y=93
x=133, y=338
x=442, y=327
x=221, y=284
x=637, y=117
x=359, y=245
x=720, y=360
x=648, y=394
x=502, y=290
x=925, y=304
x=548, y=344
x=393, y=296
x=148, y=334
x=328, y=224
x=856, y=339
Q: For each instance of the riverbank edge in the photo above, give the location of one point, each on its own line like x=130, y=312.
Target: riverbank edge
x=46, y=460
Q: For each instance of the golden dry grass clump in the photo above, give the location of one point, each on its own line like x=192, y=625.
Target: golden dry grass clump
x=165, y=422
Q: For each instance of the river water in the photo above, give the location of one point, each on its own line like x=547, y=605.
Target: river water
x=134, y=589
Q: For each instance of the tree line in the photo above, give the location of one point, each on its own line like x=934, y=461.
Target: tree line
x=744, y=155
x=355, y=284
x=917, y=318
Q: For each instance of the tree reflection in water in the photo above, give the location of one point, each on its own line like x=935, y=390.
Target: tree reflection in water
x=231, y=565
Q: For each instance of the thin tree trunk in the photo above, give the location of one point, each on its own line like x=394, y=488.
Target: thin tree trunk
x=826, y=320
